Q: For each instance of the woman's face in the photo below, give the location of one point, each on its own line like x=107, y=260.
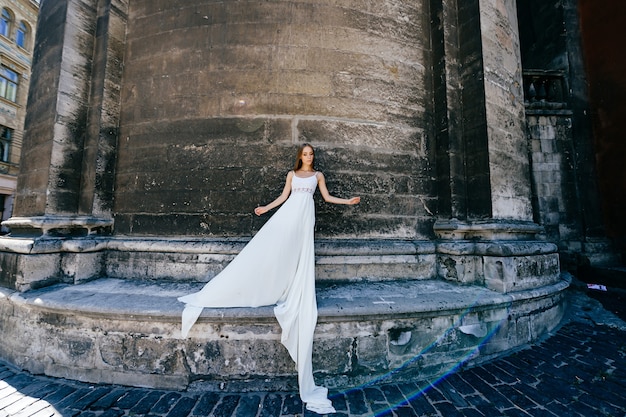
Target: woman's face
x=307, y=155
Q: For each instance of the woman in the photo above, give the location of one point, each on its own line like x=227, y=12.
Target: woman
x=277, y=267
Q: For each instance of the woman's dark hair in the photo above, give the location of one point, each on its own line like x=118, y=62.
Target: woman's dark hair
x=298, y=163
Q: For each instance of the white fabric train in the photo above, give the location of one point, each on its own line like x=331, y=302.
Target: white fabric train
x=277, y=267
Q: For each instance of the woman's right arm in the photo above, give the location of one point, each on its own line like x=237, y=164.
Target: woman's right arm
x=280, y=200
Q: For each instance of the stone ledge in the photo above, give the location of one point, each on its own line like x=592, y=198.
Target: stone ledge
x=492, y=229
x=128, y=332
x=222, y=246
x=140, y=300
x=496, y=248
x=58, y=225
x=28, y=263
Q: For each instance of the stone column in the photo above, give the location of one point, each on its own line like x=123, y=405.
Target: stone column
x=504, y=102
x=66, y=174
x=482, y=154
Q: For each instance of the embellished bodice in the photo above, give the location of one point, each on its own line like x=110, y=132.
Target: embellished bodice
x=304, y=185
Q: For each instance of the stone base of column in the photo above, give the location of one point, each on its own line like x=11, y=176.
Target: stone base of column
x=45, y=250
x=34, y=262
x=385, y=303
x=128, y=332
x=501, y=255
x=64, y=226
x=28, y=263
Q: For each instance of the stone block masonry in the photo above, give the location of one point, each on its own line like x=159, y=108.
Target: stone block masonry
x=215, y=100
x=556, y=191
x=530, y=380
x=185, y=115
x=128, y=332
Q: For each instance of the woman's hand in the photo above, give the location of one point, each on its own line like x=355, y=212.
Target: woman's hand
x=260, y=210
x=354, y=200
x=280, y=200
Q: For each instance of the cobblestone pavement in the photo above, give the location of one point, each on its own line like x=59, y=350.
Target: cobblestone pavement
x=580, y=370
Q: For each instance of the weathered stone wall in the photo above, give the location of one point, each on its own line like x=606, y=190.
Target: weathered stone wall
x=565, y=184
x=216, y=96
x=34, y=174
x=504, y=101
x=550, y=142
x=73, y=114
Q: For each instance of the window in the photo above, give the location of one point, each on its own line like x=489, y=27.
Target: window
x=5, y=143
x=5, y=23
x=21, y=35
x=8, y=83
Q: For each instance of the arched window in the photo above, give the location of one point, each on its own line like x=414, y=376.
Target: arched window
x=5, y=23
x=21, y=35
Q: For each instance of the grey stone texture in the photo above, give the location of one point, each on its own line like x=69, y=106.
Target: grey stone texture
x=210, y=116
x=155, y=127
x=577, y=371
x=128, y=332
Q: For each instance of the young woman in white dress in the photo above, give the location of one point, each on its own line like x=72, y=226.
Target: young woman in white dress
x=277, y=267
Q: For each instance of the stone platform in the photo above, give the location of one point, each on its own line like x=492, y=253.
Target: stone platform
x=128, y=332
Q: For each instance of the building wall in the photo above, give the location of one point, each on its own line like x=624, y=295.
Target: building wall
x=16, y=58
x=162, y=120
x=571, y=196
x=216, y=96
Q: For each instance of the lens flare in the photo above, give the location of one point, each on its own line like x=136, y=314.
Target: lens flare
x=424, y=386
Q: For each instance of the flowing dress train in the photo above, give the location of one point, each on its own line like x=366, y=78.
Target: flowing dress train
x=277, y=267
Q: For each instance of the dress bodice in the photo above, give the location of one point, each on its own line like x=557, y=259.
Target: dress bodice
x=304, y=185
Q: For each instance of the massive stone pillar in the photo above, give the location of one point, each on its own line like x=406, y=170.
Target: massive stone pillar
x=201, y=124
x=482, y=154
x=66, y=178
x=203, y=128
x=217, y=95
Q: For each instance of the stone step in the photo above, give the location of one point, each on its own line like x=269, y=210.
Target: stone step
x=134, y=299
x=128, y=332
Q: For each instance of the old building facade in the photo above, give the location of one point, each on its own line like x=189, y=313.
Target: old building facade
x=155, y=127
x=18, y=25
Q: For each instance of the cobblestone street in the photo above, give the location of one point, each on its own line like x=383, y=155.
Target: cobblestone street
x=578, y=371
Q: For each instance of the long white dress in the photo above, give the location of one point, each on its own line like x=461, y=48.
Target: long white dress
x=277, y=267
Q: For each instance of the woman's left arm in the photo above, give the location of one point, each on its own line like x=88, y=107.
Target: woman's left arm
x=321, y=182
